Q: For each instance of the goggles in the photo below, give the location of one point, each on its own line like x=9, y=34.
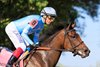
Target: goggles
x=51, y=18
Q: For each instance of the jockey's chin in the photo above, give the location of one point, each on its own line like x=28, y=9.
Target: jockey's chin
x=48, y=23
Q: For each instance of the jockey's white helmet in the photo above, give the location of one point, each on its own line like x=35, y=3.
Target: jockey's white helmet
x=48, y=11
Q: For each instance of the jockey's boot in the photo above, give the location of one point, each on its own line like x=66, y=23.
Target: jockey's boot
x=16, y=54
x=11, y=61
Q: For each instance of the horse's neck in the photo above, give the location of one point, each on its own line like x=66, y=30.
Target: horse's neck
x=53, y=55
x=49, y=58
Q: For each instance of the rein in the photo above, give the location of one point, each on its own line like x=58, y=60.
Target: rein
x=65, y=34
x=49, y=48
x=73, y=46
x=55, y=49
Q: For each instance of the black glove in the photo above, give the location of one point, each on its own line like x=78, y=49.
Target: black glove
x=37, y=45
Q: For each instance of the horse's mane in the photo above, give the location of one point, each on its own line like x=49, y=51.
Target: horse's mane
x=48, y=40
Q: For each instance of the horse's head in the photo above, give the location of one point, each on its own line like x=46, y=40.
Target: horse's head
x=74, y=43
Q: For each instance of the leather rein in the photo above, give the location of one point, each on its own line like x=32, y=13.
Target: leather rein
x=65, y=34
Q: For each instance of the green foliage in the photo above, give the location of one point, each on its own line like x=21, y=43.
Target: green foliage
x=19, y=8
x=3, y=37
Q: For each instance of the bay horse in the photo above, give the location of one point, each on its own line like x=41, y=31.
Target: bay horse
x=66, y=39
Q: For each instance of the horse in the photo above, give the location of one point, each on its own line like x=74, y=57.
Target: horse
x=66, y=39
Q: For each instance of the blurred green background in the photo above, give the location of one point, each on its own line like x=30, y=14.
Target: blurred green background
x=14, y=9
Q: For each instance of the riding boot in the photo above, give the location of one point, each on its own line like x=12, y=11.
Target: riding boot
x=11, y=61
x=16, y=54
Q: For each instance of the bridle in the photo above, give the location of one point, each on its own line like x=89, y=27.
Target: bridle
x=74, y=48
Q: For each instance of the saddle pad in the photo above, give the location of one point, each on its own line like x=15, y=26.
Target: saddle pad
x=4, y=57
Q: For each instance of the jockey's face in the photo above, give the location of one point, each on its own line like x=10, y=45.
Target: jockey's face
x=49, y=20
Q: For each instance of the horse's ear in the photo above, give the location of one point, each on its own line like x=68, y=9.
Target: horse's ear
x=68, y=27
x=71, y=26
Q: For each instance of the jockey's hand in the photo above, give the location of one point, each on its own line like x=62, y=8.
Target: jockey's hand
x=29, y=48
x=37, y=45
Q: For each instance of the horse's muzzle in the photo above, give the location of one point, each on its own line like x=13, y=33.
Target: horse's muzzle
x=84, y=53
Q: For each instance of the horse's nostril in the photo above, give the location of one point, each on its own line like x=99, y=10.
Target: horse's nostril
x=87, y=51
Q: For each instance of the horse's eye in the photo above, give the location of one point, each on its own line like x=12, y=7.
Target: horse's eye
x=74, y=36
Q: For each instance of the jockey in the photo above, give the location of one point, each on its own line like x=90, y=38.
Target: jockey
x=19, y=31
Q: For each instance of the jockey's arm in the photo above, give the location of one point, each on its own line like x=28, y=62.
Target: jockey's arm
x=36, y=37
x=25, y=35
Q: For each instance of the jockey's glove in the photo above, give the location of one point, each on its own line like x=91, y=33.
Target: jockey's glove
x=29, y=48
x=37, y=45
